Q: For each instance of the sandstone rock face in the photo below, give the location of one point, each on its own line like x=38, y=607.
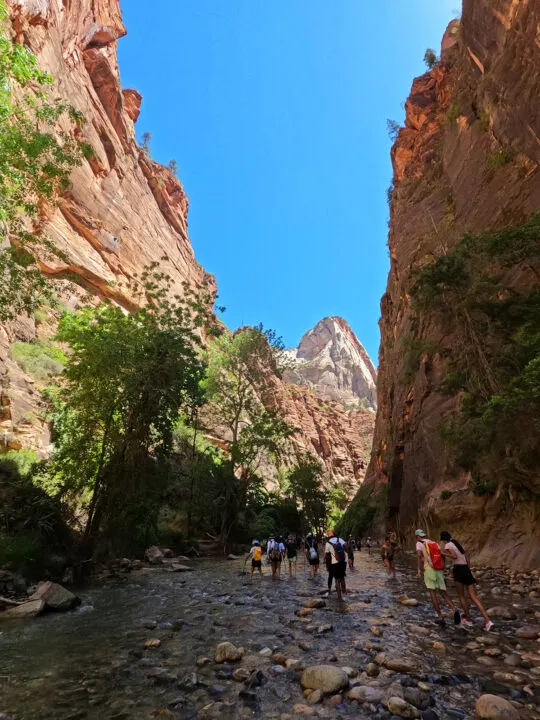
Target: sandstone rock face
x=331, y=360
x=482, y=97
x=122, y=212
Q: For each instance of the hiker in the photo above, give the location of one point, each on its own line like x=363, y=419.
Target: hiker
x=359, y=544
x=369, y=543
x=336, y=562
x=429, y=554
x=387, y=554
x=256, y=558
x=274, y=551
x=312, y=554
x=464, y=579
x=349, y=548
x=292, y=552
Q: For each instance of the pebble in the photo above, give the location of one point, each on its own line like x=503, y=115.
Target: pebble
x=153, y=643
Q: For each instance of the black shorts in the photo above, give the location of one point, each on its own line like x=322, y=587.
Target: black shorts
x=256, y=563
x=462, y=574
x=338, y=570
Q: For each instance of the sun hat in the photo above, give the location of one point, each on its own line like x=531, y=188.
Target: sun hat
x=420, y=533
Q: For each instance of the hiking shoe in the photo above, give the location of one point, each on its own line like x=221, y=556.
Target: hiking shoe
x=489, y=625
x=466, y=623
x=457, y=617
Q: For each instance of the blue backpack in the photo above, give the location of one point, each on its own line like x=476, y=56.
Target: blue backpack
x=339, y=552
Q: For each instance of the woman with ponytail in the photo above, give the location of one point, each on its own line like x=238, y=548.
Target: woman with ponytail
x=464, y=579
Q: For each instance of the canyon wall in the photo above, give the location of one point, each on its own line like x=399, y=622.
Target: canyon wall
x=465, y=162
x=122, y=212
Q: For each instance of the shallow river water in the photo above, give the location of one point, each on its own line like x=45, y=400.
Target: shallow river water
x=92, y=662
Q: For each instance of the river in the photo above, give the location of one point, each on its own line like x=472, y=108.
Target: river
x=92, y=662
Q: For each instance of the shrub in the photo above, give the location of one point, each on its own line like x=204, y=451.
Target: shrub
x=454, y=111
x=498, y=159
x=390, y=194
x=446, y=494
x=39, y=359
x=393, y=128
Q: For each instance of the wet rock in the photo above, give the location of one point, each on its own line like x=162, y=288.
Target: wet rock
x=505, y=677
x=136, y=565
x=366, y=693
x=351, y=672
x=306, y=646
x=439, y=647
x=26, y=610
x=248, y=696
x=217, y=689
x=55, y=596
x=402, y=708
x=419, y=630
x=430, y=715
x=376, y=630
x=513, y=660
x=492, y=707
x=178, y=568
x=304, y=612
x=241, y=675
x=301, y=709
x=322, y=629
x=153, y=555
x=293, y=664
x=372, y=670
x=315, y=697
x=492, y=652
x=257, y=678
x=327, y=678
x=265, y=652
x=227, y=652
x=501, y=611
x=317, y=603
x=416, y=697
x=407, y=601
x=528, y=632
x=152, y=643
x=401, y=665
x=201, y=661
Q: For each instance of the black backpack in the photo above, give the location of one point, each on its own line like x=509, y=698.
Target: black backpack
x=339, y=552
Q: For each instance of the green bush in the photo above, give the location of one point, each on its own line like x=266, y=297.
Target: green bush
x=446, y=494
x=38, y=359
x=454, y=111
x=498, y=159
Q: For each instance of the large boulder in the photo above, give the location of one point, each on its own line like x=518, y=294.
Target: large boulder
x=153, y=555
x=401, y=708
x=327, y=678
x=493, y=707
x=55, y=597
x=528, y=632
x=26, y=610
x=227, y=652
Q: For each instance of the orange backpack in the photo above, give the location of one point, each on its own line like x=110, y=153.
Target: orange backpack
x=257, y=554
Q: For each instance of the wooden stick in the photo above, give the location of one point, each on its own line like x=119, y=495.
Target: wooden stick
x=7, y=601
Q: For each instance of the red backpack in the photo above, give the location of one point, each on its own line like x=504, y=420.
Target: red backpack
x=434, y=552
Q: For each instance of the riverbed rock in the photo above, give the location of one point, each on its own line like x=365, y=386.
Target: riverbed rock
x=506, y=677
x=178, y=567
x=402, y=708
x=153, y=555
x=315, y=697
x=316, y=603
x=26, y=610
x=407, y=601
x=401, y=665
x=327, y=678
x=528, y=632
x=227, y=652
x=55, y=597
x=366, y=693
x=493, y=707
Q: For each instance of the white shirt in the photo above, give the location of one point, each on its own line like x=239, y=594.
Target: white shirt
x=460, y=557
x=329, y=548
x=272, y=545
x=422, y=547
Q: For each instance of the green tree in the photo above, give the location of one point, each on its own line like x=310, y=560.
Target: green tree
x=306, y=487
x=36, y=158
x=125, y=381
x=430, y=58
x=393, y=128
x=146, y=142
x=239, y=392
x=173, y=167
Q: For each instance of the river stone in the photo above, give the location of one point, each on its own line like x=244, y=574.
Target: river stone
x=327, y=678
x=153, y=555
x=401, y=665
x=505, y=677
x=500, y=611
x=227, y=652
x=317, y=603
x=528, y=632
x=301, y=709
x=55, y=596
x=315, y=697
x=402, y=708
x=493, y=707
x=372, y=670
x=365, y=693
x=26, y=610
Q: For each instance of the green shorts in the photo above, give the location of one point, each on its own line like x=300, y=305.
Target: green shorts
x=434, y=579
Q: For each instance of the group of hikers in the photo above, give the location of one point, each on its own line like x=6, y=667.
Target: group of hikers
x=338, y=555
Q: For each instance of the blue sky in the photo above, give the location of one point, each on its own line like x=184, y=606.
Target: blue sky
x=275, y=111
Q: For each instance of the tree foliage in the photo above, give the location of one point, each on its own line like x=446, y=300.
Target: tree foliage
x=37, y=155
x=430, y=58
x=305, y=486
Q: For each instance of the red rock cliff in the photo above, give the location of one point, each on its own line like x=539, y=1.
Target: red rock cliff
x=482, y=99
x=123, y=210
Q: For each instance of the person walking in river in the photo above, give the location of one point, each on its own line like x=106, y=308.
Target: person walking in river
x=292, y=553
x=464, y=579
x=256, y=558
x=275, y=550
x=312, y=554
x=349, y=548
x=387, y=554
x=336, y=562
x=429, y=554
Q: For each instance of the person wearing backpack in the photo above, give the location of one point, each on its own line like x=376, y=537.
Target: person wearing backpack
x=336, y=562
x=464, y=579
x=312, y=554
x=275, y=550
x=292, y=552
x=256, y=558
x=428, y=554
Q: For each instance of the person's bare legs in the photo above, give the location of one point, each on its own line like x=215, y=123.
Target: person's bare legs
x=435, y=602
x=476, y=600
x=463, y=600
x=448, y=599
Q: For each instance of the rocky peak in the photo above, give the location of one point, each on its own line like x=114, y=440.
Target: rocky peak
x=331, y=360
